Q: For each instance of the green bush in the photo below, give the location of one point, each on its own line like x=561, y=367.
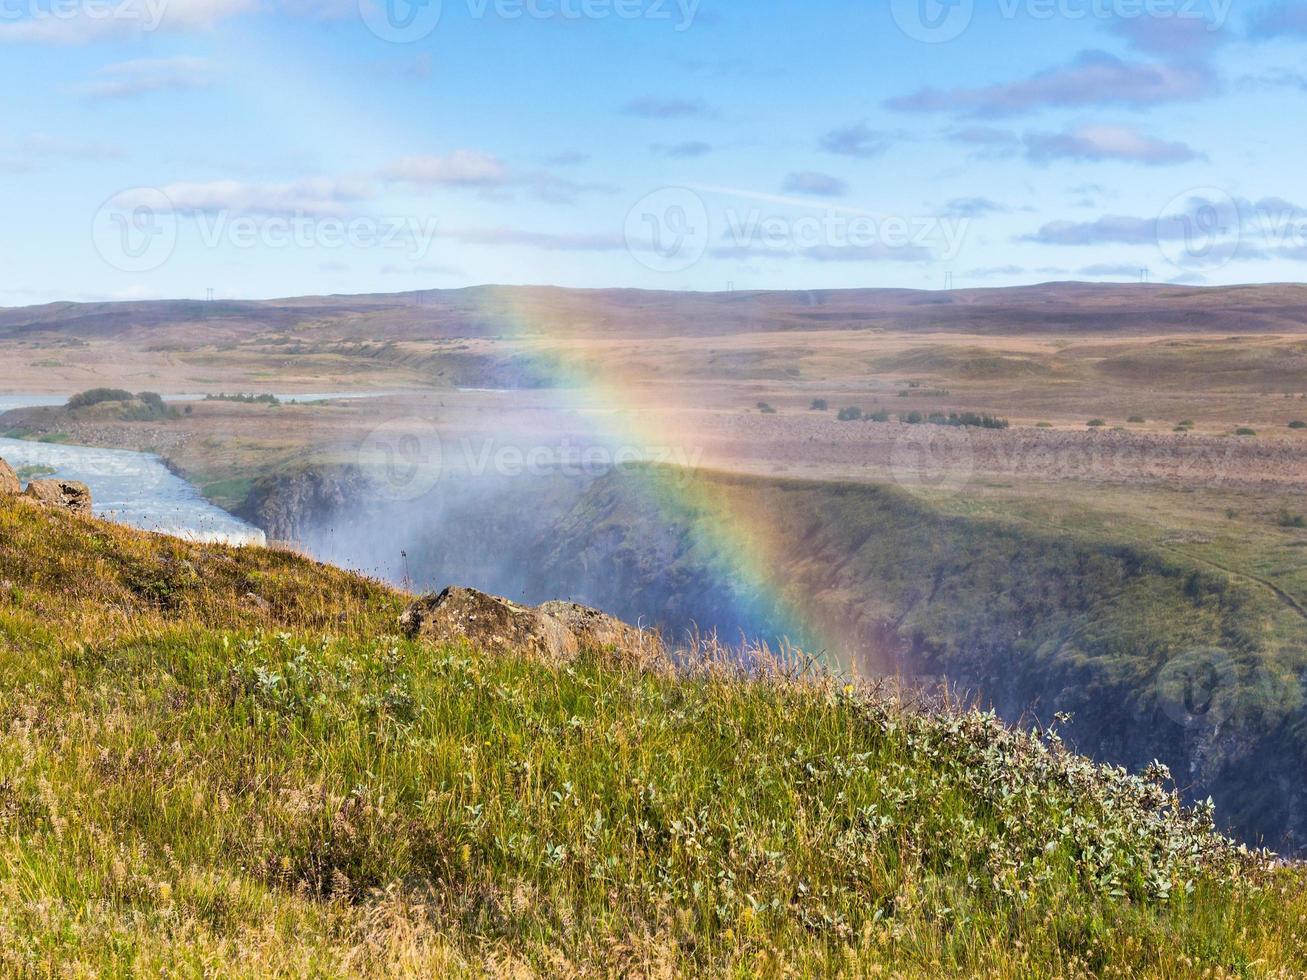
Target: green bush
x=1298, y=424
x=244, y=399
x=1245, y=431
x=1136, y=420
x=97, y=396
x=1097, y=423
x=820, y=405
x=850, y=414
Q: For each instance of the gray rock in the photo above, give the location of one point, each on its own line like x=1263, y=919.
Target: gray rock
x=9, y=479
x=68, y=494
x=555, y=631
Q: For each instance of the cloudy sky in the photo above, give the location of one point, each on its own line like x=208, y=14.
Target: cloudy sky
x=261, y=148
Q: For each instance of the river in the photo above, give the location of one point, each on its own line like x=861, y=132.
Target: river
x=134, y=488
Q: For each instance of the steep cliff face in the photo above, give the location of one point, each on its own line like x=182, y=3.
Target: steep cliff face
x=295, y=506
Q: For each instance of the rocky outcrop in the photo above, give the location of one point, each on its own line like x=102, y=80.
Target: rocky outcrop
x=555, y=631
x=292, y=506
x=9, y=479
x=68, y=494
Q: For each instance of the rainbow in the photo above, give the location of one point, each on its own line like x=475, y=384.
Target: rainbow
x=746, y=548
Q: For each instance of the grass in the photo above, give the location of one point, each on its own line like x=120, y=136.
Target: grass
x=1063, y=608
x=194, y=782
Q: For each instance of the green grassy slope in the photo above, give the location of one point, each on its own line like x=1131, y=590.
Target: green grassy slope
x=217, y=761
x=1126, y=637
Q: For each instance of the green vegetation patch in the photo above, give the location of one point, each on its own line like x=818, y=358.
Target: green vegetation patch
x=288, y=791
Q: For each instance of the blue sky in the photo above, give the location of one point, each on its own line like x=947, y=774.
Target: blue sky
x=163, y=148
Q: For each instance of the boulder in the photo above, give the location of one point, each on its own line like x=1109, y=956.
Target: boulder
x=594, y=630
x=556, y=631
x=9, y=479
x=68, y=494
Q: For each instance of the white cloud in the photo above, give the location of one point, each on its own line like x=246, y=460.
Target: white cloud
x=1096, y=143
x=132, y=78
x=312, y=197
x=95, y=20
x=462, y=168
x=486, y=172
x=547, y=241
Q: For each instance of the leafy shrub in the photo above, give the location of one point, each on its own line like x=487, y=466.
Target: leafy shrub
x=244, y=399
x=1287, y=519
x=97, y=396
x=766, y=409
x=1245, y=431
x=1136, y=420
x=820, y=405
x=1298, y=424
x=850, y=414
x=1097, y=423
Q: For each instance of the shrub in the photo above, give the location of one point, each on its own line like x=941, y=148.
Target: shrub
x=1245, y=431
x=244, y=399
x=1287, y=519
x=1097, y=423
x=1136, y=420
x=850, y=414
x=96, y=396
x=1186, y=424
x=766, y=409
x=1043, y=425
x=1298, y=424
x=820, y=405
